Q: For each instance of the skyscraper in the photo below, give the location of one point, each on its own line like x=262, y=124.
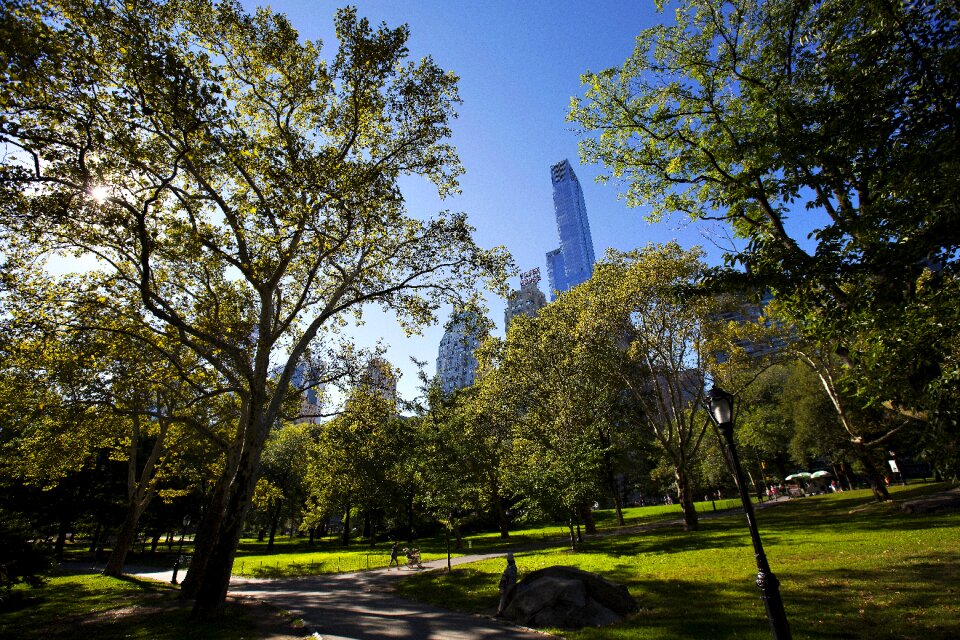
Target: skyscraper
x=528, y=300
x=572, y=262
x=456, y=366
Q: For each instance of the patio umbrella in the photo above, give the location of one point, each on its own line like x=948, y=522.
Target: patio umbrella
x=820, y=474
x=800, y=475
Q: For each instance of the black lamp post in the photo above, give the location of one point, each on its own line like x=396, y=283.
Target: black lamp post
x=721, y=411
x=176, y=564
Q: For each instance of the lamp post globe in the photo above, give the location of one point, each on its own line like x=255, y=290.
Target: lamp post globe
x=720, y=408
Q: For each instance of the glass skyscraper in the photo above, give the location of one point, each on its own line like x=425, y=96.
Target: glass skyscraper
x=572, y=262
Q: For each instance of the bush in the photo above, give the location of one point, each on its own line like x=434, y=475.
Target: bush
x=22, y=560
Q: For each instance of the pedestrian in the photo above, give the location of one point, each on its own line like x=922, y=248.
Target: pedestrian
x=507, y=582
x=394, y=553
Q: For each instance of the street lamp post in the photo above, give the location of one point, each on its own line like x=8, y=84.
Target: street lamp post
x=721, y=411
x=176, y=564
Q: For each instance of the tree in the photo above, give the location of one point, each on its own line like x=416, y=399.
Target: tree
x=282, y=487
x=244, y=188
x=670, y=343
x=354, y=464
x=451, y=461
x=834, y=117
x=143, y=399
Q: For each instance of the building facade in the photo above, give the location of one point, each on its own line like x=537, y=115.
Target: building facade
x=456, y=366
x=572, y=262
x=380, y=379
x=528, y=300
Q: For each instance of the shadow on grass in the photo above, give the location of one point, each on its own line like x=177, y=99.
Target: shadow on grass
x=915, y=599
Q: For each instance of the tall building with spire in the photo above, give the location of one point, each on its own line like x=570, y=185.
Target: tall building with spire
x=572, y=262
x=456, y=366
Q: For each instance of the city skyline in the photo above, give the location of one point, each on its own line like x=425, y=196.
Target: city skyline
x=518, y=64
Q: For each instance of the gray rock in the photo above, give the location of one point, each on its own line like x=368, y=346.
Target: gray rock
x=568, y=598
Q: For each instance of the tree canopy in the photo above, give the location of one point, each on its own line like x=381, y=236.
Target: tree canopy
x=238, y=184
x=833, y=117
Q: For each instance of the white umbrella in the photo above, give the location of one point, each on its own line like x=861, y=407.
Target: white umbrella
x=800, y=475
x=820, y=474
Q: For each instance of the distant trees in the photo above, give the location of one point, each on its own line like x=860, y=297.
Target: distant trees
x=620, y=359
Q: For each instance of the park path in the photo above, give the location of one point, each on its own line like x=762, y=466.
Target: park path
x=362, y=606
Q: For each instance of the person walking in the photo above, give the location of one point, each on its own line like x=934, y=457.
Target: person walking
x=394, y=554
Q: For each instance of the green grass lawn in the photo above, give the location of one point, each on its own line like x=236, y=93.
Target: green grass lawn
x=849, y=568
x=96, y=606
x=295, y=557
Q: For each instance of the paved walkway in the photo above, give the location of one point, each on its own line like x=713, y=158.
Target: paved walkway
x=361, y=606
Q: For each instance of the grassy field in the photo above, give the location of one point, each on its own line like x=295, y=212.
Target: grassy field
x=95, y=606
x=849, y=568
x=294, y=557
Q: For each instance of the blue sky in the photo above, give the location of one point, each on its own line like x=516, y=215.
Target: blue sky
x=519, y=63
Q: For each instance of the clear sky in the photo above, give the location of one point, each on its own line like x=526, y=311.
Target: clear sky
x=519, y=63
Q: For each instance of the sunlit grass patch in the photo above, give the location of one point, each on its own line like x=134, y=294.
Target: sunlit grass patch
x=848, y=569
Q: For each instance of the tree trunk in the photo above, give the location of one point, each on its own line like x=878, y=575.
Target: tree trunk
x=345, y=534
x=690, y=518
x=573, y=536
x=410, y=498
x=447, y=531
x=458, y=532
x=207, y=532
x=211, y=592
x=848, y=476
x=154, y=542
x=586, y=516
x=61, y=539
x=877, y=483
x=618, y=501
x=503, y=522
x=139, y=493
x=613, y=483
x=125, y=538
x=274, y=523
x=96, y=537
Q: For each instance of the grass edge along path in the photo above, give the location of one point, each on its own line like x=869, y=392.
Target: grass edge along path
x=294, y=557
x=91, y=605
x=849, y=568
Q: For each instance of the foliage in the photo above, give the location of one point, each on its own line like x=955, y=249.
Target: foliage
x=833, y=117
x=357, y=460
x=22, y=559
x=240, y=187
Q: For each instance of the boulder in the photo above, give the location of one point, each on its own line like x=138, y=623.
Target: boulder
x=568, y=598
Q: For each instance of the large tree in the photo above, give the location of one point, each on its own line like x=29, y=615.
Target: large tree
x=833, y=118
x=244, y=187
